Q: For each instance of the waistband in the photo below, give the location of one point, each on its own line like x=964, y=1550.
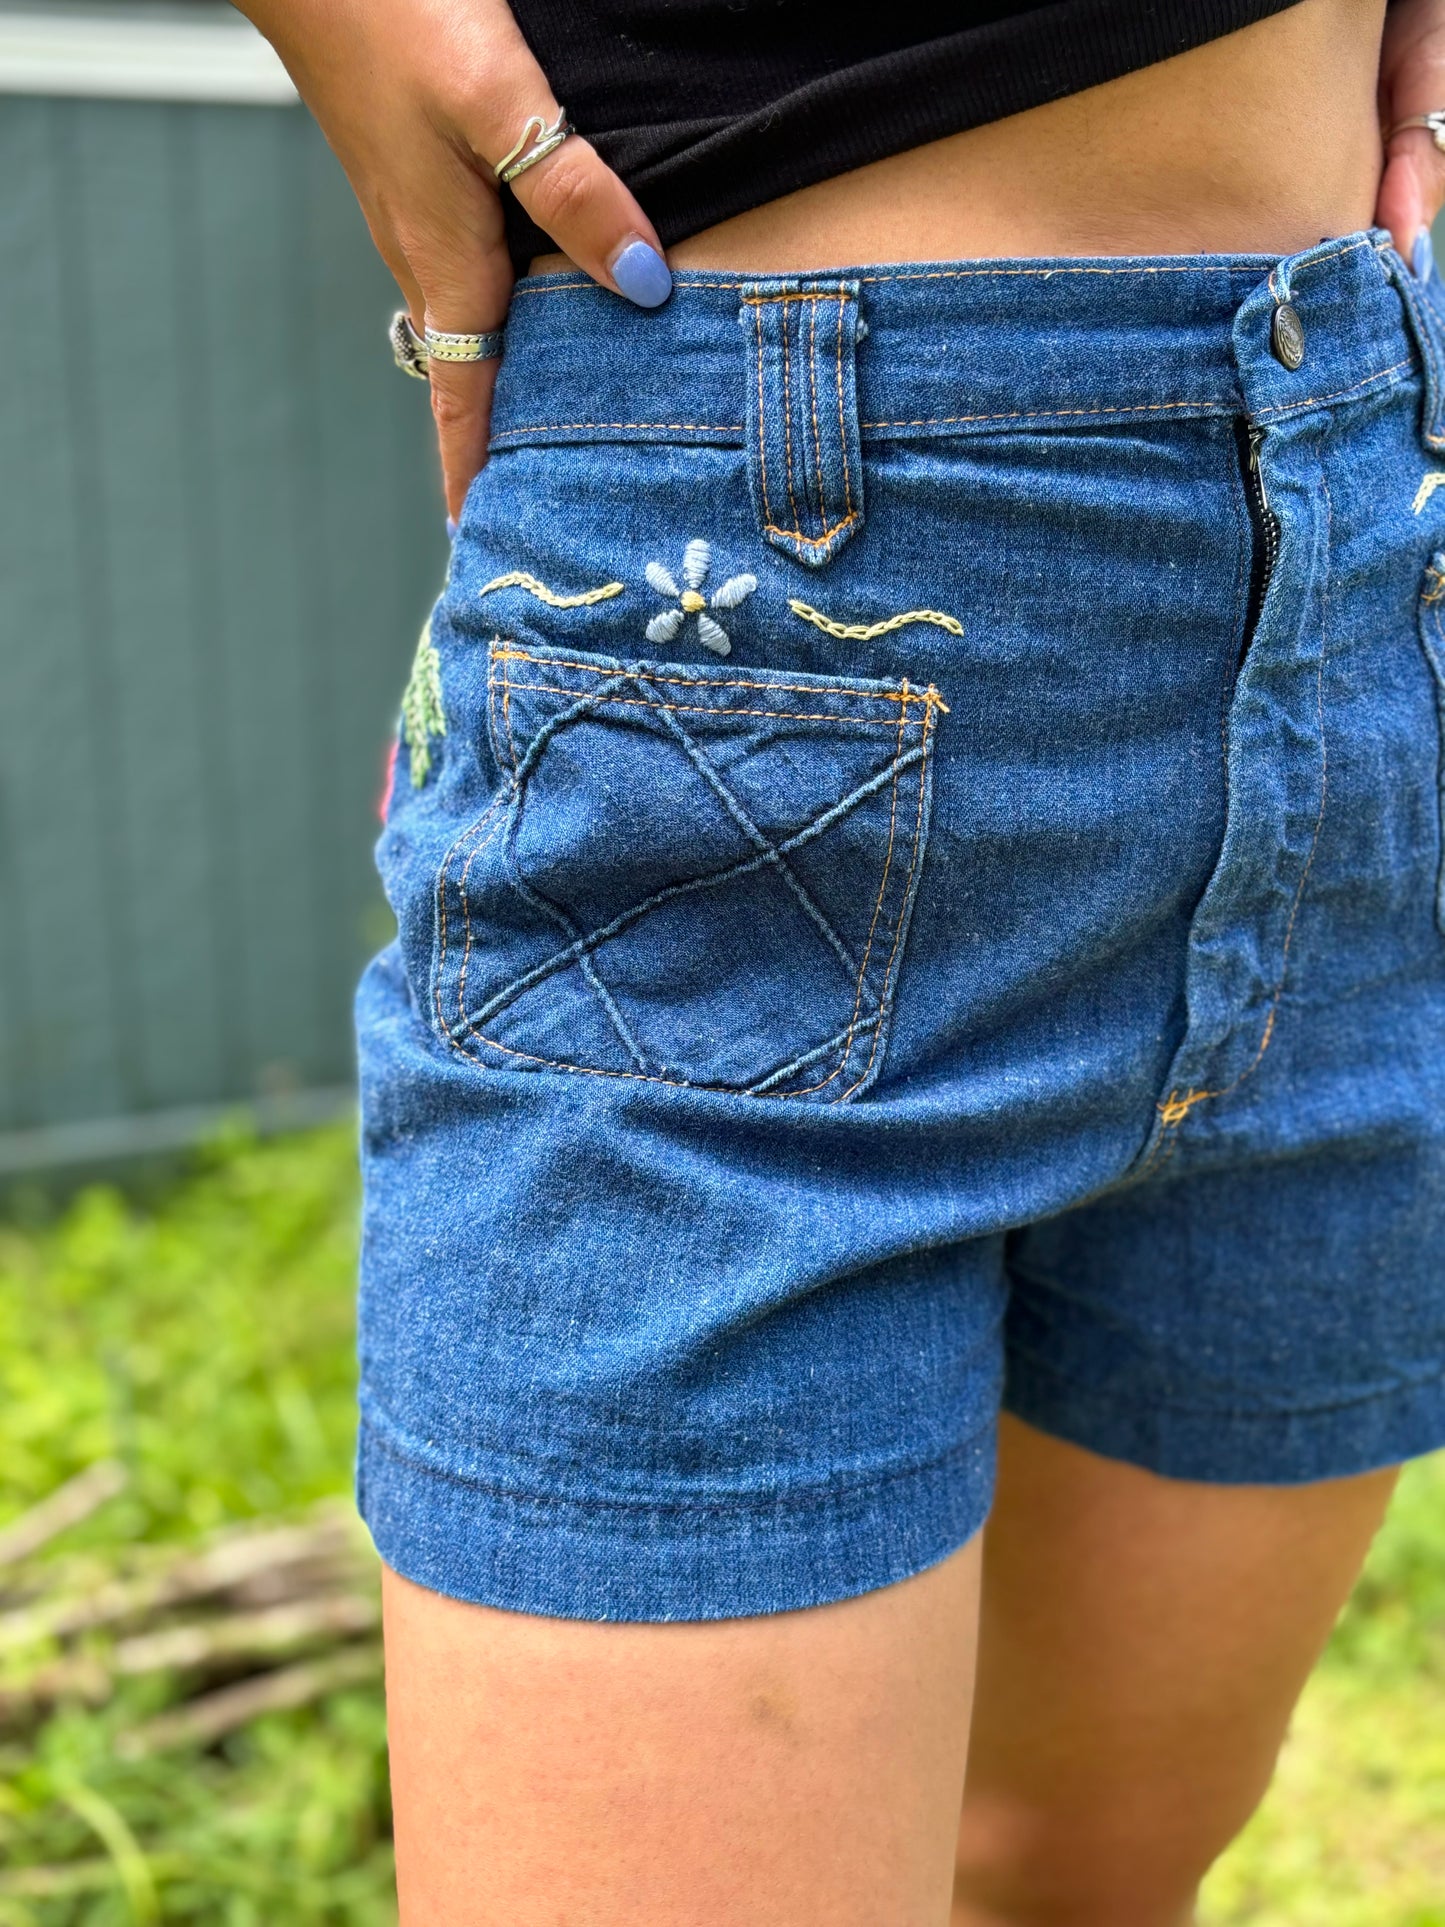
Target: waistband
x=959, y=348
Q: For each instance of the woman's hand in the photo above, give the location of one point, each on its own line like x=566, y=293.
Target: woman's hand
x=1412, y=81
x=420, y=98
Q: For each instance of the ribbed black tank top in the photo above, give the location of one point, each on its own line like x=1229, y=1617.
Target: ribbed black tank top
x=709, y=107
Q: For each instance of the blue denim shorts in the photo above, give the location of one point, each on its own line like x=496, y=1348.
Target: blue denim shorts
x=917, y=857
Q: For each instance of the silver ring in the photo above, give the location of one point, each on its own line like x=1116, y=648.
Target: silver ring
x=408, y=349
x=538, y=140
x=443, y=345
x=1433, y=123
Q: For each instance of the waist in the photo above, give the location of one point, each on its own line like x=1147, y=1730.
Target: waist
x=956, y=348
x=1261, y=141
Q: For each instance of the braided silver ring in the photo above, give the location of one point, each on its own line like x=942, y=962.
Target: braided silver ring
x=444, y=345
x=414, y=353
x=537, y=142
x=1433, y=123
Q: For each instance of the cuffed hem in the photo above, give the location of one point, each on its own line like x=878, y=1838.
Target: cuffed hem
x=1233, y=1448
x=568, y=1558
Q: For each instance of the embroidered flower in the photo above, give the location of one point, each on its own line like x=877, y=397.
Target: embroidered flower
x=696, y=561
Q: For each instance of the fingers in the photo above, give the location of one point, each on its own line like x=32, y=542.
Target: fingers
x=1412, y=83
x=420, y=103
x=571, y=194
x=576, y=198
x=461, y=405
x=1412, y=189
x=458, y=278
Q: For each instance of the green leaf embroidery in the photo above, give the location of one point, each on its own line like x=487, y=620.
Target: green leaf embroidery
x=422, y=715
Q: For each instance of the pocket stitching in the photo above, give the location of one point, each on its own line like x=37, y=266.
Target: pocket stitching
x=877, y=1020
x=584, y=946
x=809, y=1089
x=924, y=697
x=504, y=999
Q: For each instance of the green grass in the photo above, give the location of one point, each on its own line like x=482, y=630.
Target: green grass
x=205, y=1339
x=207, y=1343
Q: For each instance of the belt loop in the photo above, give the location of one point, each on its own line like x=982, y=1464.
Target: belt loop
x=805, y=467
x=1429, y=335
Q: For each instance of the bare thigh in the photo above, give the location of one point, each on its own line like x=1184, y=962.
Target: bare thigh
x=798, y=1770
x=1142, y=1644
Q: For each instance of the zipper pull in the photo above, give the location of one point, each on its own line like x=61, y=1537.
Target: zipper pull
x=1256, y=439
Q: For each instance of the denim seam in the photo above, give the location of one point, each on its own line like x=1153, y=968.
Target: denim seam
x=904, y=904
x=852, y=1031
x=842, y=424
x=1381, y=377
x=1262, y=266
x=505, y=732
x=1037, y=1362
x=788, y=427
x=848, y=691
x=733, y=805
x=1210, y=404
x=511, y=993
x=813, y=406
x=762, y=412
x=494, y=734
x=718, y=709
x=586, y=964
x=473, y=829
x=805, y=1061
x=1308, y=267
x=481, y=844
x=1422, y=333
x=812, y=541
x=1175, y=1109
x=1239, y=645
x=810, y=1498
x=1430, y=601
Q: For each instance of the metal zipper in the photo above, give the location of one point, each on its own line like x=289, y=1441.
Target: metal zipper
x=1266, y=532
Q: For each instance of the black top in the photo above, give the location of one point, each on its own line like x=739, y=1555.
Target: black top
x=709, y=107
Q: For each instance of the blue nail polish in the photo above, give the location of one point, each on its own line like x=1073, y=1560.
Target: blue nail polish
x=1422, y=256
x=451, y=530
x=642, y=275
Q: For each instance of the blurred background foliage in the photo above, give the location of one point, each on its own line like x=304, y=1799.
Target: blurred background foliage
x=200, y=1333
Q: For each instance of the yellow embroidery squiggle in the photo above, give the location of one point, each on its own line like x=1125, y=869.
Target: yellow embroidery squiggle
x=519, y=579
x=1435, y=479
x=865, y=631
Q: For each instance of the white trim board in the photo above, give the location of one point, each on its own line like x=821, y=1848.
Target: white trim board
x=140, y=53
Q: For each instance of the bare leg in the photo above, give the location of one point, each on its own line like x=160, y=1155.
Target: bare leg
x=1143, y=1642
x=798, y=1770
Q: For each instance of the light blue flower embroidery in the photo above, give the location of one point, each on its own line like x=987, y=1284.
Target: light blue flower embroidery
x=690, y=601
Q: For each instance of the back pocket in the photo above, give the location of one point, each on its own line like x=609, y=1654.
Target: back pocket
x=1432, y=635
x=695, y=876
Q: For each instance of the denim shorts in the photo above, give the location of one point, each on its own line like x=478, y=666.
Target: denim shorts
x=916, y=848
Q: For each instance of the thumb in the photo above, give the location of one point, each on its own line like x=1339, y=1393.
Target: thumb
x=1408, y=189
x=574, y=196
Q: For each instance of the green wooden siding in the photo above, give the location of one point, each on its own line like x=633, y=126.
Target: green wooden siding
x=220, y=533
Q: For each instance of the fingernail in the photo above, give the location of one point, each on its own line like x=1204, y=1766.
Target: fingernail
x=640, y=273
x=1422, y=256
x=451, y=530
